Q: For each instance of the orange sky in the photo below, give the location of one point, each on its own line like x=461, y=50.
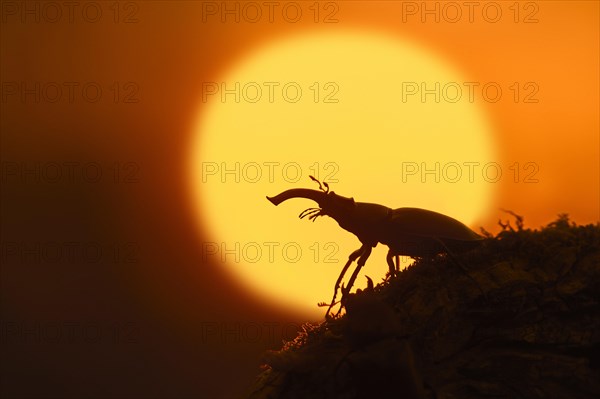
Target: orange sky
x=168, y=51
x=559, y=53
x=171, y=50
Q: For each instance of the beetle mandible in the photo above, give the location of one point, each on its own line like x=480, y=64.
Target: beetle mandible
x=413, y=232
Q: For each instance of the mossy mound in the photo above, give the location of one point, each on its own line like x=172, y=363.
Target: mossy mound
x=523, y=323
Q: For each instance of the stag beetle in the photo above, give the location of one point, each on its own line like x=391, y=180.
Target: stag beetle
x=412, y=232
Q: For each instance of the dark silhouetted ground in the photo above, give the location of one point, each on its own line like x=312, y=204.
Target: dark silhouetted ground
x=534, y=332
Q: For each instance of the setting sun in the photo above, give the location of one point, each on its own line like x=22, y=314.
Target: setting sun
x=185, y=182
x=379, y=118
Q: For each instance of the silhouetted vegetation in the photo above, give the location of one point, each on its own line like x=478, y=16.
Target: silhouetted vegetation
x=430, y=332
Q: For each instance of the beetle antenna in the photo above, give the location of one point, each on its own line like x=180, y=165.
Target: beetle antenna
x=315, y=180
x=320, y=186
x=326, y=186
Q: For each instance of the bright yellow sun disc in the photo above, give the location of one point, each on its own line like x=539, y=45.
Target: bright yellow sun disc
x=380, y=119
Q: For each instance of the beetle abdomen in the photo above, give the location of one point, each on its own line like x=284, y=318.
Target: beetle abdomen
x=421, y=222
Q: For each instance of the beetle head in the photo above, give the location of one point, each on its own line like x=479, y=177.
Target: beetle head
x=330, y=204
x=336, y=206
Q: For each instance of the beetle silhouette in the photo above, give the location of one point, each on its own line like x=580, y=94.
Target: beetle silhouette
x=413, y=232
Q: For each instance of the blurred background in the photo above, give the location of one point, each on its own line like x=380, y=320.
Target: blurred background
x=105, y=292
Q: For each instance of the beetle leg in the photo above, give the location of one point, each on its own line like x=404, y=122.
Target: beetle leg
x=390, y=261
x=351, y=259
x=361, y=262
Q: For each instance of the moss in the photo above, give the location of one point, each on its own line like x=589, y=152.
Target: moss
x=525, y=323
